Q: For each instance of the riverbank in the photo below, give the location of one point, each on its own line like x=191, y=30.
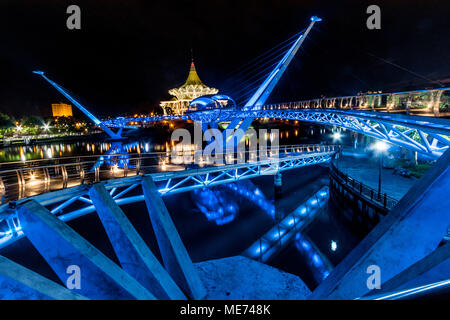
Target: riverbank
x=365, y=169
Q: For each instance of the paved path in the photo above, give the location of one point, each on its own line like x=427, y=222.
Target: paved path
x=366, y=170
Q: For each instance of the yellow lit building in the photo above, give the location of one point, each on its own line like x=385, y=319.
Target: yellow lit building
x=190, y=90
x=61, y=110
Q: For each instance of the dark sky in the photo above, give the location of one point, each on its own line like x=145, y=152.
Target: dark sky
x=129, y=53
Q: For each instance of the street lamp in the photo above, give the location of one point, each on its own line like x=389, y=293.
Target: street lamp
x=380, y=148
x=337, y=138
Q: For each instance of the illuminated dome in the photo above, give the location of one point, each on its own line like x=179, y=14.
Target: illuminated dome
x=193, y=87
x=211, y=102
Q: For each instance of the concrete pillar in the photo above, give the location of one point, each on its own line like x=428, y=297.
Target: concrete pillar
x=20, y=283
x=62, y=247
x=175, y=256
x=134, y=255
x=278, y=194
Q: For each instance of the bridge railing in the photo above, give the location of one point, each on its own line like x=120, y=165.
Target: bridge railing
x=370, y=194
x=29, y=178
x=431, y=102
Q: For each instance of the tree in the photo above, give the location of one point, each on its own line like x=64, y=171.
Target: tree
x=32, y=121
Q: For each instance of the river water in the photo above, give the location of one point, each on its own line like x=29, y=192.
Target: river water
x=210, y=233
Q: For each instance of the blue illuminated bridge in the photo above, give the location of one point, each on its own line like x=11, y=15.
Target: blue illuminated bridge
x=409, y=246
x=414, y=119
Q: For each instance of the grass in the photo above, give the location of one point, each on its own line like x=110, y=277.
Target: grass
x=417, y=170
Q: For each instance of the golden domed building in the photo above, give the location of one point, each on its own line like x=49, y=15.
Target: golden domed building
x=190, y=90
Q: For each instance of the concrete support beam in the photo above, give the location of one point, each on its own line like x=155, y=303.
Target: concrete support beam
x=62, y=247
x=176, y=258
x=411, y=231
x=20, y=283
x=131, y=250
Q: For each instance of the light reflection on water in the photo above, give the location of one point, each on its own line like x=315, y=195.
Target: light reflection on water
x=78, y=148
x=221, y=204
x=290, y=135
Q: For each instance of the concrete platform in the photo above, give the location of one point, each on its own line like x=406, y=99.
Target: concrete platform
x=238, y=277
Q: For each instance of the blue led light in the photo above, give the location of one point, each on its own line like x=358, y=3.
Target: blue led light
x=313, y=258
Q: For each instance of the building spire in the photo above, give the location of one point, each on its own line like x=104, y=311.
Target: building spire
x=193, y=86
x=193, y=78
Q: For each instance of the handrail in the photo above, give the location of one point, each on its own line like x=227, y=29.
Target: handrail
x=370, y=194
x=127, y=154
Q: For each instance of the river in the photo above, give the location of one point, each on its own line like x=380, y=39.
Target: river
x=206, y=232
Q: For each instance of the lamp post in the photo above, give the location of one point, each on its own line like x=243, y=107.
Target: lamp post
x=380, y=148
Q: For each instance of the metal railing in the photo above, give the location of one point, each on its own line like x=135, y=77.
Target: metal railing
x=370, y=194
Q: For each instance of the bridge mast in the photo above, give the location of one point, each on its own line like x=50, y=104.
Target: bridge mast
x=263, y=92
x=81, y=107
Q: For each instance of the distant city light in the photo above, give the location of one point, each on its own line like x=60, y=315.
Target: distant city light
x=19, y=128
x=46, y=127
x=380, y=146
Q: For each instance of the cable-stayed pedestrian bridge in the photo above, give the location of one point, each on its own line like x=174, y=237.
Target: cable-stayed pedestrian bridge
x=381, y=116
x=410, y=119
x=426, y=103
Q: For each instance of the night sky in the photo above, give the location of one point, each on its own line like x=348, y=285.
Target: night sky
x=129, y=53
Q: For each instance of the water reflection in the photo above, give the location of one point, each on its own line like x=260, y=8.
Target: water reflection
x=215, y=205
x=221, y=204
x=78, y=148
